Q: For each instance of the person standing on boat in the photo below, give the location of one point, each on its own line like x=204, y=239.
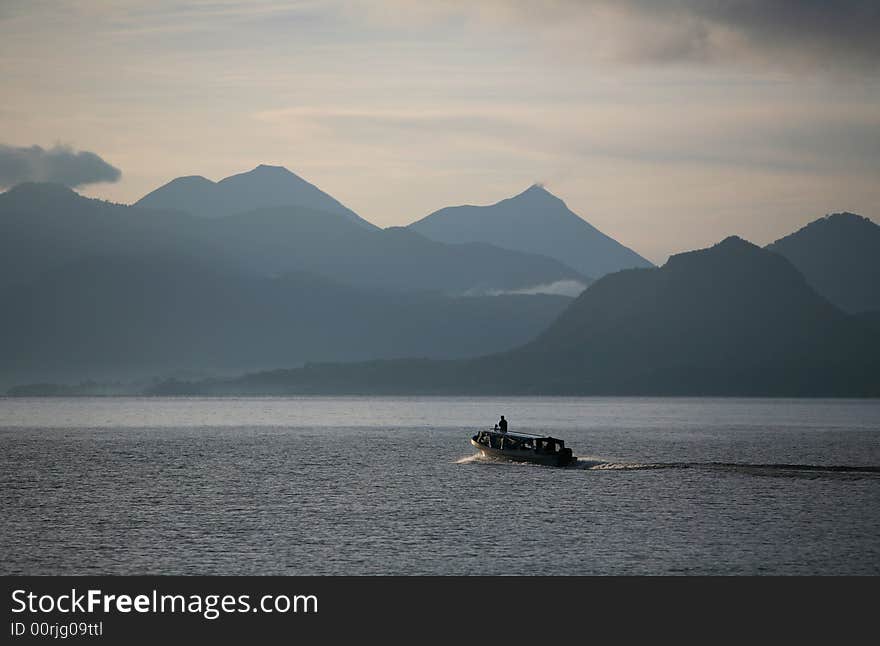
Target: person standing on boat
x=502, y=424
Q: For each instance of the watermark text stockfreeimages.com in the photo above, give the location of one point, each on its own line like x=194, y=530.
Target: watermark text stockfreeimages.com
x=209, y=606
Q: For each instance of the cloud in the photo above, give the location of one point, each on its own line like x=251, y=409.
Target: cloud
x=795, y=34
x=571, y=288
x=59, y=164
x=842, y=30
x=804, y=33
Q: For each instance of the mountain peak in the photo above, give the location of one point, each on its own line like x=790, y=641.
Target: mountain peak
x=264, y=172
x=844, y=219
x=843, y=223
x=264, y=186
x=536, y=192
x=838, y=253
x=846, y=215
x=41, y=191
x=732, y=249
x=42, y=187
x=735, y=242
x=534, y=221
x=269, y=169
x=190, y=180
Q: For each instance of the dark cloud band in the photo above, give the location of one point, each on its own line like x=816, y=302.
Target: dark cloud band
x=808, y=34
x=842, y=31
x=60, y=164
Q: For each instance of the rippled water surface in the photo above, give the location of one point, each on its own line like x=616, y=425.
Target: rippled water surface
x=344, y=485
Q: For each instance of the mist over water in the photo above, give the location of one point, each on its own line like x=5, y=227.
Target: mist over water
x=359, y=485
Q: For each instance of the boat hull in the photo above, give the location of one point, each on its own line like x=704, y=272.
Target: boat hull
x=525, y=455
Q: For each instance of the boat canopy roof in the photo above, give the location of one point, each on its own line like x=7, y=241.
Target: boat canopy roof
x=526, y=436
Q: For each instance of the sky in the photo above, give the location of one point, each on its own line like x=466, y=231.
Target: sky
x=668, y=126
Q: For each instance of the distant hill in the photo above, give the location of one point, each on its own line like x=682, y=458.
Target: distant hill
x=45, y=226
x=99, y=291
x=110, y=318
x=840, y=257
x=535, y=221
x=285, y=239
x=94, y=290
x=263, y=187
x=729, y=320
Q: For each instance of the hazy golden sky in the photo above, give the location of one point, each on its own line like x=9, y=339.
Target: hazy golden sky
x=667, y=125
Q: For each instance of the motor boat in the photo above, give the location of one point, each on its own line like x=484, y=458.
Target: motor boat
x=523, y=447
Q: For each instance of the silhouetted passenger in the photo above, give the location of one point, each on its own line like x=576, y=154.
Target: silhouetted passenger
x=502, y=424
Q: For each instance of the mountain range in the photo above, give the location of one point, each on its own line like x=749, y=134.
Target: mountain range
x=262, y=272
x=47, y=225
x=107, y=291
x=733, y=319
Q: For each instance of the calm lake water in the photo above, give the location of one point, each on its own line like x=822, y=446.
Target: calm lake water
x=371, y=485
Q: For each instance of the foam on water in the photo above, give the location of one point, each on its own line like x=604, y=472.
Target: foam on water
x=591, y=463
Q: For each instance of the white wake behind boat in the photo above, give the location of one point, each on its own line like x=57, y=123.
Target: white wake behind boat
x=523, y=447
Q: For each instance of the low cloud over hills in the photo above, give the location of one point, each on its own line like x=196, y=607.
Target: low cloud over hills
x=59, y=164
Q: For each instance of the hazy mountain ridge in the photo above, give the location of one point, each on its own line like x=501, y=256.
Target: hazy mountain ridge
x=45, y=226
x=99, y=290
x=278, y=240
x=94, y=290
x=535, y=221
x=267, y=205
x=839, y=255
x=110, y=318
x=732, y=319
